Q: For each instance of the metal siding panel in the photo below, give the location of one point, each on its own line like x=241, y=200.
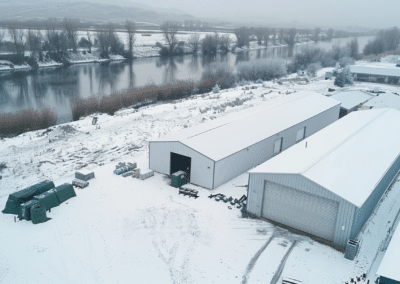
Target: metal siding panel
x=254, y=197
x=238, y=163
x=362, y=214
x=300, y=210
x=160, y=161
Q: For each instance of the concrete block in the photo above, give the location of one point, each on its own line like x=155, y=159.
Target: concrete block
x=84, y=175
x=145, y=174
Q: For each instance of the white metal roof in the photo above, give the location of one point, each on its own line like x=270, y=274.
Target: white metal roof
x=385, y=100
x=348, y=157
x=351, y=99
x=223, y=137
x=389, y=266
x=374, y=70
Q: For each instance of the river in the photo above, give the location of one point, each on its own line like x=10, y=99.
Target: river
x=55, y=88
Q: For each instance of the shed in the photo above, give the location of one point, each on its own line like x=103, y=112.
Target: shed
x=388, y=271
x=49, y=199
x=376, y=73
x=328, y=184
x=15, y=199
x=64, y=192
x=384, y=100
x=350, y=100
x=215, y=152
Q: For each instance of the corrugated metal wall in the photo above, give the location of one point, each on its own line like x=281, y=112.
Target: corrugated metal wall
x=238, y=163
x=345, y=212
x=362, y=214
x=202, y=168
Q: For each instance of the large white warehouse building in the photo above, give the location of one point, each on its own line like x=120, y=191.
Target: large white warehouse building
x=218, y=151
x=328, y=185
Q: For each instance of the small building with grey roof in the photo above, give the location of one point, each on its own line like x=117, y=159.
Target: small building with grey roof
x=351, y=100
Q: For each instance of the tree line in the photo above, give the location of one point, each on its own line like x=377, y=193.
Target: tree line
x=56, y=40
x=212, y=43
x=385, y=40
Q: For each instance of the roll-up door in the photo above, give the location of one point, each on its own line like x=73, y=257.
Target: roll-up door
x=300, y=210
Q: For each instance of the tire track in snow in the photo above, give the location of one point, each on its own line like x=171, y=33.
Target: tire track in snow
x=254, y=259
x=278, y=272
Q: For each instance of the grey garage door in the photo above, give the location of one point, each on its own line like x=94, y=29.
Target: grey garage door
x=300, y=210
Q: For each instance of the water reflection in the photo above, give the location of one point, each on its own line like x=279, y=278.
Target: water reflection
x=55, y=88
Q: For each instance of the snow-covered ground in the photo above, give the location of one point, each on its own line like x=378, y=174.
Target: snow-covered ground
x=124, y=230
x=10, y=67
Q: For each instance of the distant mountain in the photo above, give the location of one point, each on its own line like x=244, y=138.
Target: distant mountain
x=28, y=9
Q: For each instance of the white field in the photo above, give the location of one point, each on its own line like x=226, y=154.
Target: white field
x=124, y=230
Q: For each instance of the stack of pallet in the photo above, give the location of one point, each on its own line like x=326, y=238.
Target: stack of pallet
x=81, y=178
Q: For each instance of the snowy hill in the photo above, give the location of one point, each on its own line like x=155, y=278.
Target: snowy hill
x=28, y=9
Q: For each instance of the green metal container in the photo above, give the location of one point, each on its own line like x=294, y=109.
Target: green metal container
x=65, y=192
x=25, y=209
x=17, y=198
x=48, y=199
x=178, y=179
x=38, y=214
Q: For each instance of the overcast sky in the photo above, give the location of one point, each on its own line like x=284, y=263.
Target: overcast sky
x=369, y=13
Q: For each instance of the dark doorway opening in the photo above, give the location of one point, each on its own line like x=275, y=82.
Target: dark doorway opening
x=180, y=163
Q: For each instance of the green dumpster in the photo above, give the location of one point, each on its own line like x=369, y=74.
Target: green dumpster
x=38, y=214
x=64, y=192
x=17, y=198
x=48, y=199
x=25, y=210
x=178, y=179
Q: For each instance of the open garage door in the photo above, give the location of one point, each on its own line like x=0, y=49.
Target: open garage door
x=300, y=210
x=180, y=163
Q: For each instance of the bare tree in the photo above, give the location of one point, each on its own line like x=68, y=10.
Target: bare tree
x=194, y=42
x=259, y=32
x=242, y=36
x=71, y=31
x=35, y=42
x=105, y=37
x=329, y=34
x=18, y=39
x=281, y=35
x=317, y=31
x=130, y=29
x=89, y=39
x=116, y=45
x=352, y=47
x=2, y=34
x=50, y=33
x=290, y=36
x=224, y=43
x=273, y=33
x=209, y=44
x=266, y=34
x=170, y=30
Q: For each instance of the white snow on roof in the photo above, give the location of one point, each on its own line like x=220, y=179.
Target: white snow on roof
x=389, y=266
x=223, y=137
x=348, y=157
x=351, y=99
x=374, y=70
x=385, y=100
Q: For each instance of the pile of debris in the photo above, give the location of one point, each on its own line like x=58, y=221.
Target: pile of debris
x=130, y=169
x=81, y=178
x=189, y=192
x=238, y=202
